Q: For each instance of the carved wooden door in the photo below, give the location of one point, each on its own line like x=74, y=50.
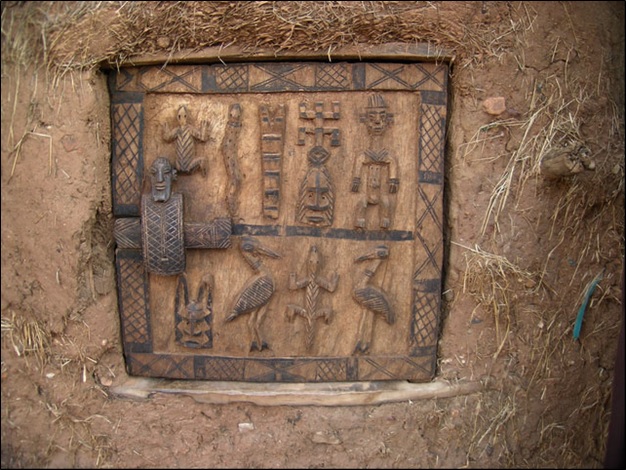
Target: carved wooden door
x=279, y=222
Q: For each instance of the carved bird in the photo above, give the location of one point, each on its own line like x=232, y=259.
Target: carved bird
x=374, y=300
x=255, y=295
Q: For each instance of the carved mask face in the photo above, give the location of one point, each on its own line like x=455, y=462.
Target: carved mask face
x=161, y=176
x=316, y=199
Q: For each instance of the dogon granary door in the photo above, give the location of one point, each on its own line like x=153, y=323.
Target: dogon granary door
x=279, y=221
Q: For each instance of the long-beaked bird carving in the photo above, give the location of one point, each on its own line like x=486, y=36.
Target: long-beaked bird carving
x=373, y=300
x=254, y=296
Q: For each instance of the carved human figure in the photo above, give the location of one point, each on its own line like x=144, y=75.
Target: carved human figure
x=376, y=165
x=185, y=136
x=312, y=282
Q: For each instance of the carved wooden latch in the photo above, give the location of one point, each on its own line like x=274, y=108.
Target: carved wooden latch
x=161, y=232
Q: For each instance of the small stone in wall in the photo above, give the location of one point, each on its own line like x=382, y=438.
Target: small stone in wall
x=566, y=160
x=494, y=105
x=163, y=42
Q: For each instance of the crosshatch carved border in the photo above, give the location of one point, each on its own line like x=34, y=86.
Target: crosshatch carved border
x=128, y=87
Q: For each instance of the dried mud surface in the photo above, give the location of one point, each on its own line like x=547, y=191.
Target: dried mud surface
x=521, y=253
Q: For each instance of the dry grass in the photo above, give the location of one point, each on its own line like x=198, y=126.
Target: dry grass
x=73, y=434
x=29, y=338
x=491, y=279
x=489, y=426
x=549, y=124
x=73, y=430
x=558, y=105
x=18, y=147
x=67, y=39
x=583, y=213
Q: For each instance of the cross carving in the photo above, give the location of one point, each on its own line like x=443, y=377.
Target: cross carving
x=318, y=115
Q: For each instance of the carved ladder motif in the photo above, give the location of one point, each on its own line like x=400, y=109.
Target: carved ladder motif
x=272, y=147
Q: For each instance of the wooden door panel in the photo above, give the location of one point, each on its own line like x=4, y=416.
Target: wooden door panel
x=300, y=236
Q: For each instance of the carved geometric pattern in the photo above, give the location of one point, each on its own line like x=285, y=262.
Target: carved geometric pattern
x=389, y=368
x=434, y=77
x=432, y=129
x=332, y=77
x=170, y=79
x=271, y=183
x=231, y=78
x=133, y=300
x=127, y=233
x=161, y=365
x=217, y=368
x=406, y=76
x=213, y=235
x=417, y=368
x=162, y=235
x=426, y=305
x=280, y=77
x=431, y=142
x=331, y=370
x=127, y=153
x=429, y=201
x=185, y=150
x=318, y=116
x=430, y=265
x=124, y=79
x=279, y=370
